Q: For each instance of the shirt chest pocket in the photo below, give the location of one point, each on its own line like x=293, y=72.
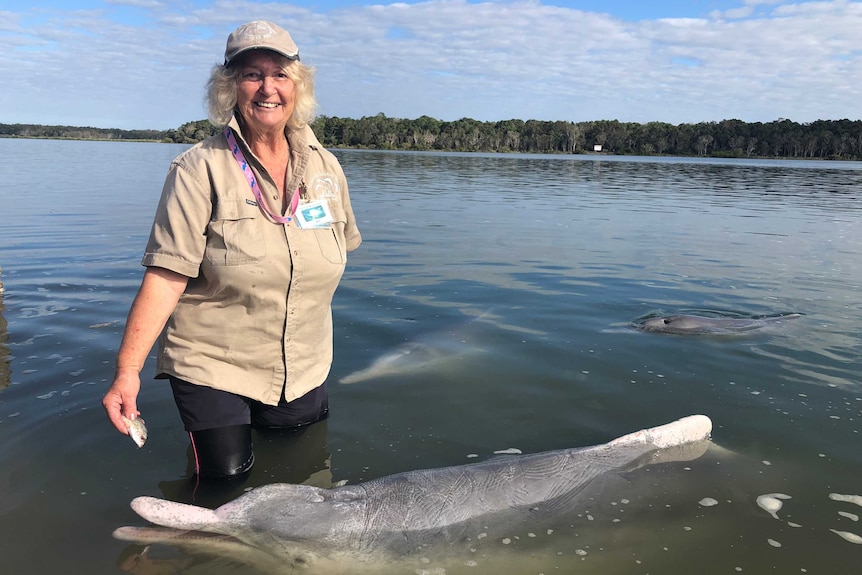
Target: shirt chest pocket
x=333, y=245
x=234, y=234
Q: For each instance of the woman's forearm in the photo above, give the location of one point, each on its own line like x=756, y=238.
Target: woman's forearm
x=160, y=290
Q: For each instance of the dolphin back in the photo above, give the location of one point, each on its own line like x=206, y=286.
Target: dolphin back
x=434, y=499
x=689, y=429
x=689, y=324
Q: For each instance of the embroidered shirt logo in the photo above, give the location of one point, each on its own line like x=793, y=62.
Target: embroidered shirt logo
x=324, y=186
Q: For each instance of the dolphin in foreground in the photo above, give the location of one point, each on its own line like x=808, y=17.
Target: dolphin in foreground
x=287, y=526
x=686, y=324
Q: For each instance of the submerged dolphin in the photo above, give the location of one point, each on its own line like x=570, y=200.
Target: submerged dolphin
x=406, y=358
x=431, y=351
x=394, y=516
x=699, y=325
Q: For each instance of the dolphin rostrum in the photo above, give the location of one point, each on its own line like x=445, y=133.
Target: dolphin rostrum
x=687, y=324
x=401, y=514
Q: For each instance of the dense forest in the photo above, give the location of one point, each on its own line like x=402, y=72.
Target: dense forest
x=77, y=133
x=822, y=139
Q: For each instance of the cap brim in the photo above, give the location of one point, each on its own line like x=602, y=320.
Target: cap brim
x=293, y=56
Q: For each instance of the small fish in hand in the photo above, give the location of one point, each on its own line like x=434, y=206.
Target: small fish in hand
x=137, y=430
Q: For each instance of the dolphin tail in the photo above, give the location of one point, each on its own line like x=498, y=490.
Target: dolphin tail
x=176, y=515
x=680, y=432
x=357, y=376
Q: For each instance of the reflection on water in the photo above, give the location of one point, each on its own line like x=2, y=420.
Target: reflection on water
x=5, y=369
x=556, y=255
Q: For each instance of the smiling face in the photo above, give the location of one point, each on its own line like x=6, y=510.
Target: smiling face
x=265, y=94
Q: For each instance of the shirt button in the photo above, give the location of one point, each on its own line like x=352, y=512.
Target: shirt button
x=275, y=197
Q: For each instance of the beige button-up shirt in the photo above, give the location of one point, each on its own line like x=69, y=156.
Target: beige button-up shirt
x=255, y=318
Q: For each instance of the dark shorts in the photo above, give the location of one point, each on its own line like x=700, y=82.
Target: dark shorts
x=203, y=407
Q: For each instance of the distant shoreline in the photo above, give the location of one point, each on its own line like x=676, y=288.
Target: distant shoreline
x=782, y=139
x=147, y=141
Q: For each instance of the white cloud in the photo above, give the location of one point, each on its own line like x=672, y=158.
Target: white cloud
x=447, y=59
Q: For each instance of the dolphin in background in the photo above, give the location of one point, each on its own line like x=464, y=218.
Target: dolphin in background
x=284, y=526
x=690, y=324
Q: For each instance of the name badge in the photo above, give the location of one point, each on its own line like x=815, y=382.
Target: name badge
x=313, y=215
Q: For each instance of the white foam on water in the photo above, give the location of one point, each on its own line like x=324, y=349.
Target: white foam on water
x=773, y=542
x=857, y=499
x=509, y=451
x=850, y=516
x=772, y=502
x=708, y=502
x=847, y=536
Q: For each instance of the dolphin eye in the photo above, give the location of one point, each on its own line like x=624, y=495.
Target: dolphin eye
x=666, y=321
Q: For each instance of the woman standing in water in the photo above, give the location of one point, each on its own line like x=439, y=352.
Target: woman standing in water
x=249, y=243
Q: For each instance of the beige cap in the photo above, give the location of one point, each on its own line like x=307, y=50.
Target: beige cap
x=260, y=34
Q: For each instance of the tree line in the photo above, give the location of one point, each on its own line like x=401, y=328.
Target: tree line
x=822, y=139
x=78, y=133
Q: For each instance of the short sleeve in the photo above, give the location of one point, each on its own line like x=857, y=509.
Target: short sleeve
x=178, y=236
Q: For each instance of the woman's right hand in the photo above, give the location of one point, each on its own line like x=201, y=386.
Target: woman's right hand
x=121, y=398
x=158, y=295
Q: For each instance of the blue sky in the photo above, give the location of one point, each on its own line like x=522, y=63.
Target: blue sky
x=143, y=63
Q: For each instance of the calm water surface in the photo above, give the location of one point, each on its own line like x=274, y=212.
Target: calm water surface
x=525, y=273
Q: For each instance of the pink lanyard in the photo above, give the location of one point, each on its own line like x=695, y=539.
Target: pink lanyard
x=249, y=175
